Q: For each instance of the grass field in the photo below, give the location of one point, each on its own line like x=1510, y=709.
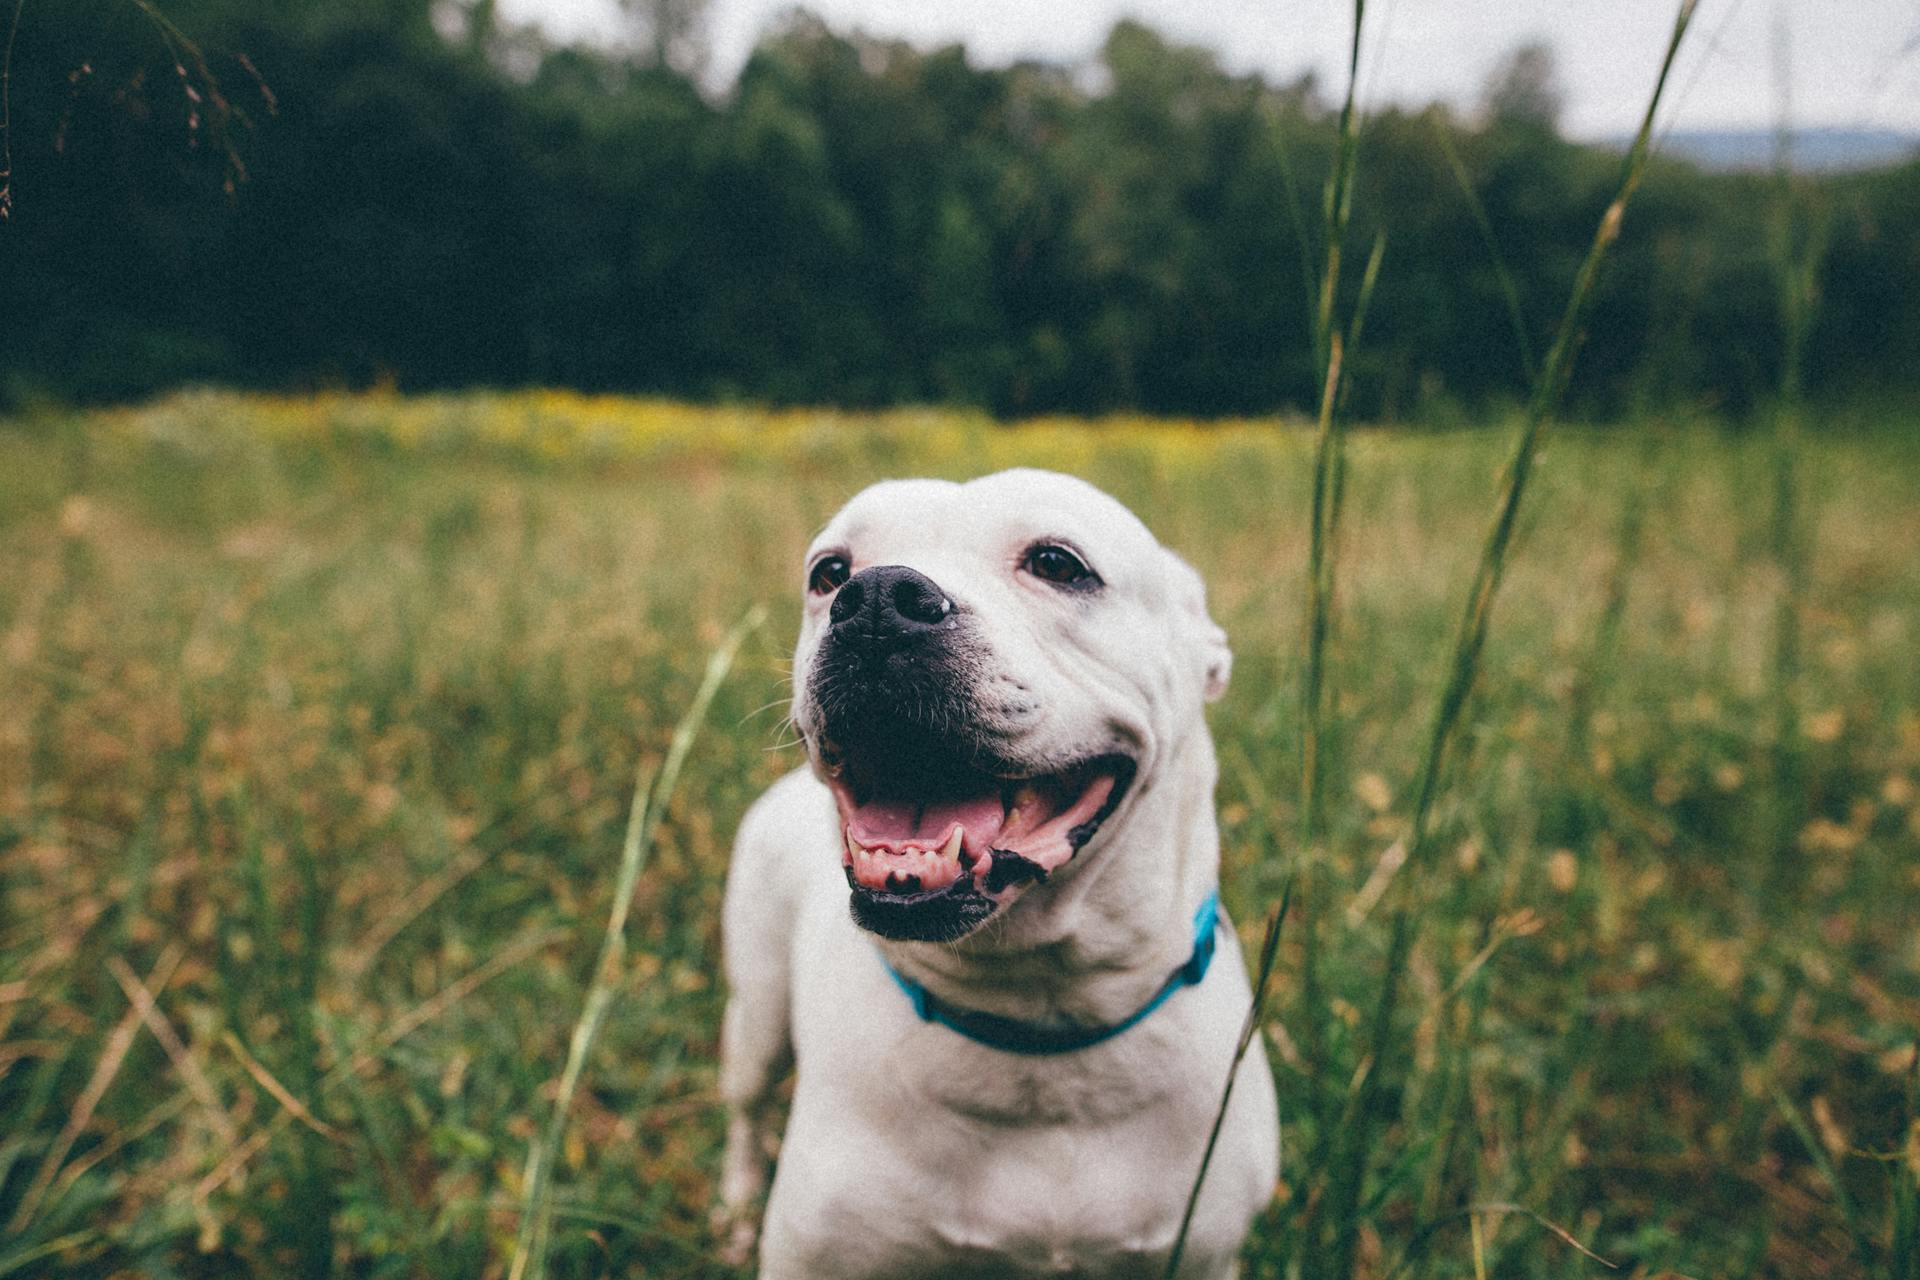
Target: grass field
x=322, y=716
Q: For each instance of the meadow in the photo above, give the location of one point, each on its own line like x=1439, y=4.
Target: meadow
x=322, y=717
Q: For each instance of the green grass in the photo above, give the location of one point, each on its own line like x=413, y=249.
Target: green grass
x=329, y=737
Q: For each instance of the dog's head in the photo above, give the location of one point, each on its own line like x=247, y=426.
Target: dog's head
x=986, y=674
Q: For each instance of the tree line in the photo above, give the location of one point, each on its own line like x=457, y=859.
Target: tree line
x=299, y=193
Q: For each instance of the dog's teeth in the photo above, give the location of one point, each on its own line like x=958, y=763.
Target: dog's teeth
x=952, y=852
x=853, y=846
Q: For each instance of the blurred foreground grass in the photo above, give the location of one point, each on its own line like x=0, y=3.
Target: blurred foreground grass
x=321, y=715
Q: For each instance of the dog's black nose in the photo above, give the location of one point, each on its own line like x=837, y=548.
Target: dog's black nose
x=886, y=607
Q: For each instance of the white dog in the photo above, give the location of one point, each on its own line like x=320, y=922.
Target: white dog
x=1009, y=1051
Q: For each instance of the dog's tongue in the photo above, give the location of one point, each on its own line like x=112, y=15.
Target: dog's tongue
x=903, y=823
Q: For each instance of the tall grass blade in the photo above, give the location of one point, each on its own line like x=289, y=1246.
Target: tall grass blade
x=1356, y=327
x=1320, y=582
x=1349, y=1175
x=1509, y=290
x=1905, y=1234
x=140, y=997
x=1363, y=301
x=1817, y=1152
x=1337, y=199
x=1328, y=487
x=1628, y=538
x=1475, y=619
x=1336, y=209
x=1798, y=242
x=1269, y=947
x=651, y=794
x=1302, y=237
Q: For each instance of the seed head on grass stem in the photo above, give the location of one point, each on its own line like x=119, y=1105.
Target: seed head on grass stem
x=651, y=794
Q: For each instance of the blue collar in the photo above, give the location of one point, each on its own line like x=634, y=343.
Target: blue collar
x=1011, y=1036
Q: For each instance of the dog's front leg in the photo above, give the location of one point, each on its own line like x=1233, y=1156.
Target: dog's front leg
x=756, y=924
x=753, y=1056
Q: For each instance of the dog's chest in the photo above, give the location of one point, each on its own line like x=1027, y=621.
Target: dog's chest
x=956, y=1193
x=1134, y=1082
x=1079, y=1207
x=944, y=1158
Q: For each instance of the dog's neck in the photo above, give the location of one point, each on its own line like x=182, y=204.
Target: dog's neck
x=1096, y=942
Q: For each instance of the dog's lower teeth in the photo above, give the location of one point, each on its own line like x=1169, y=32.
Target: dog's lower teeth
x=952, y=852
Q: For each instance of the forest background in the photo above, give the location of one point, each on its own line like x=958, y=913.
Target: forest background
x=334, y=194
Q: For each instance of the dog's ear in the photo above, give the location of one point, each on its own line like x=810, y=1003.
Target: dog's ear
x=1208, y=638
x=1219, y=660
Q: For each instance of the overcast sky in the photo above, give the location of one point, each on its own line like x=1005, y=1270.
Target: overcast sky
x=1856, y=63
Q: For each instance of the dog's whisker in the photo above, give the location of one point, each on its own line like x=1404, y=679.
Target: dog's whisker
x=763, y=709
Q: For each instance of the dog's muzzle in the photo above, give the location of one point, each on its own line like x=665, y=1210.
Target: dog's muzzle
x=939, y=827
x=896, y=660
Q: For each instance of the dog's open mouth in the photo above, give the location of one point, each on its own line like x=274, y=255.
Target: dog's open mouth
x=931, y=842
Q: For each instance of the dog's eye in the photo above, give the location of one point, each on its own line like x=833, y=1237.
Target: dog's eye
x=827, y=574
x=1056, y=564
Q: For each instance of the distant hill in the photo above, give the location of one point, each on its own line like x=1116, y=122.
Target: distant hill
x=1814, y=150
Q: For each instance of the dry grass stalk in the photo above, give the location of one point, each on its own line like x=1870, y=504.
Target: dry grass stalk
x=183, y=1062
x=120, y=1138
x=1472, y=1214
x=235, y=1158
x=650, y=798
x=281, y=1094
x=113, y=1055
x=429, y=891
x=1269, y=948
